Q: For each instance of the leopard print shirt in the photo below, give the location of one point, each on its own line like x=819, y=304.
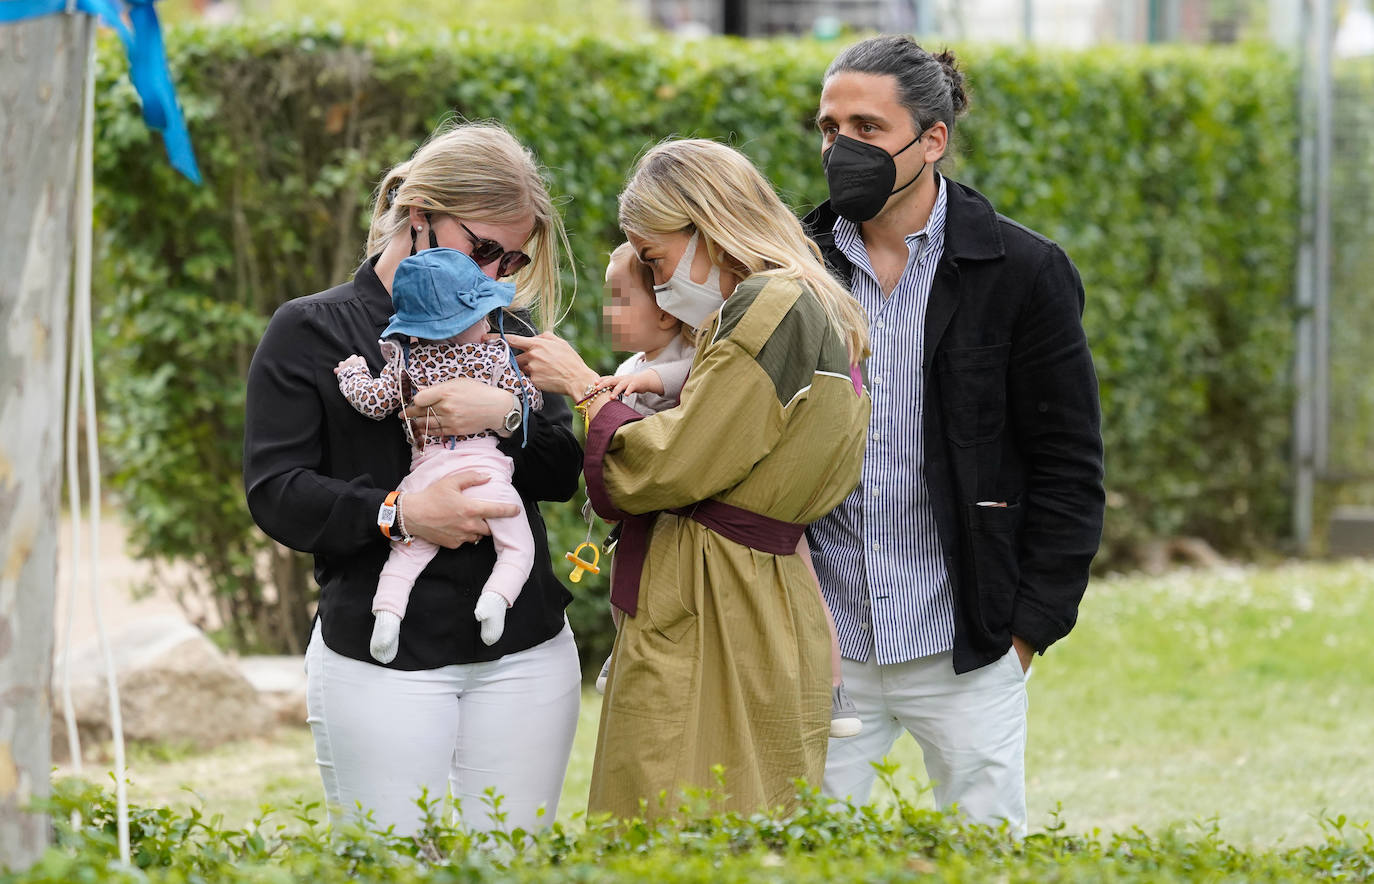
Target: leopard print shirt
x=432, y=362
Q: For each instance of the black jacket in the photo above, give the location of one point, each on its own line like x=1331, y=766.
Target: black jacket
x=1011, y=414
x=316, y=471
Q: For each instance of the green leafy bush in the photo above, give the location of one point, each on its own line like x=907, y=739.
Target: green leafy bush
x=1352, y=269
x=821, y=842
x=1167, y=174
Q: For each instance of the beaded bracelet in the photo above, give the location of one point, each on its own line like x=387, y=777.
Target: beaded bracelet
x=590, y=391
x=401, y=522
x=582, y=406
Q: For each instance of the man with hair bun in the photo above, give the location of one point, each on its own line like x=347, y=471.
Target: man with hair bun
x=965, y=549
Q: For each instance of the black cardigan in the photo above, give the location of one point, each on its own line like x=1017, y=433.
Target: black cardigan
x=316, y=471
x=1010, y=414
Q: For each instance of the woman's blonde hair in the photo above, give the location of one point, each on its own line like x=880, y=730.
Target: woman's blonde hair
x=479, y=171
x=695, y=183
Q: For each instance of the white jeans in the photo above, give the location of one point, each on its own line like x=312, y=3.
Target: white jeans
x=382, y=734
x=971, y=729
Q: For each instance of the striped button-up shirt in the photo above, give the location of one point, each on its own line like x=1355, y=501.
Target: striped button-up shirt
x=877, y=554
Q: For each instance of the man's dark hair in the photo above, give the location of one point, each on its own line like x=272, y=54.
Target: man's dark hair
x=930, y=87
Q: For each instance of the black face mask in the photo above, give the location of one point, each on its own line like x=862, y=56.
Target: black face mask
x=433, y=240
x=861, y=176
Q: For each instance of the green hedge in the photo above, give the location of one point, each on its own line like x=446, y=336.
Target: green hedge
x=1167, y=174
x=1352, y=278
x=820, y=843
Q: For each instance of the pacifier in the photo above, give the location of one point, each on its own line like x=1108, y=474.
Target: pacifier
x=581, y=565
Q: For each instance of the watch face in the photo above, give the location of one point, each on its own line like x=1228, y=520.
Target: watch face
x=513, y=420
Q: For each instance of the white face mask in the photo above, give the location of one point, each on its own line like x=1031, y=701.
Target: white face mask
x=692, y=302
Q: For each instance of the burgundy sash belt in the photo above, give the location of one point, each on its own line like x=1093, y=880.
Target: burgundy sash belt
x=746, y=528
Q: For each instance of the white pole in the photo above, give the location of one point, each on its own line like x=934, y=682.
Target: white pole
x=82, y=328
x=74, y=511
x=1313, y=276
x=1321, y=236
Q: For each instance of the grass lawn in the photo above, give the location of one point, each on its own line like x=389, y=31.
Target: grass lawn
x=1241, y=697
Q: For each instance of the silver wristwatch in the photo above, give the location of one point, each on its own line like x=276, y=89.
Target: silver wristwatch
x=511, y=422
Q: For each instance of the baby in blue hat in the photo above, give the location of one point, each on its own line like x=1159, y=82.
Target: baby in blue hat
x=442, y=300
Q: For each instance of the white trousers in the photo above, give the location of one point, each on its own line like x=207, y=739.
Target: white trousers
x=383, y=734
x=971, y=729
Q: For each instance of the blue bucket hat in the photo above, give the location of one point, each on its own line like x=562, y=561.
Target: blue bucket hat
x=438, y=293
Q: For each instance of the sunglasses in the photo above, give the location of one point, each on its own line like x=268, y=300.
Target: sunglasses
x=484, y=251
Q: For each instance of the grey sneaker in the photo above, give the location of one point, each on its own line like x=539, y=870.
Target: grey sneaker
x=844, y=715
x=605, y=671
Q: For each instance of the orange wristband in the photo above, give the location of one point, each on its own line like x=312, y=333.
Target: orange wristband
x=386, y=516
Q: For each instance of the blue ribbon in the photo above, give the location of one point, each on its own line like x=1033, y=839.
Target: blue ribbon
x=524, y=400
x=147, y=65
